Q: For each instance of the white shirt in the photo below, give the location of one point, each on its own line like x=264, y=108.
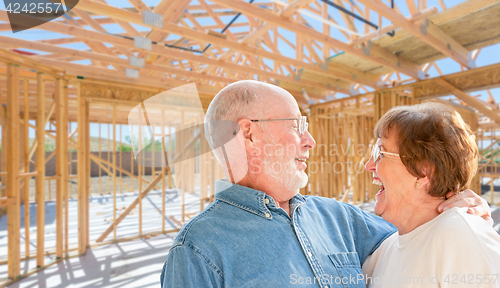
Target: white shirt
x=455, y=249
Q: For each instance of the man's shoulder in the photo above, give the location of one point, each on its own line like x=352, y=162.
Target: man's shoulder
x=330, y=204
x=200, y=225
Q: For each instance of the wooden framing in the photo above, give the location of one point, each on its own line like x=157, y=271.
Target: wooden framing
x=13, y=164
x=83, y=172
x=61, y=157
x=40, y=165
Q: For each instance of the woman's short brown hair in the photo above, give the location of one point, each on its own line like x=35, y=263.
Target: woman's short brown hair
x=433, y=139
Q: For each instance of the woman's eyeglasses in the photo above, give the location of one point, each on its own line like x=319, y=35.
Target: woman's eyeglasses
x=376, y=152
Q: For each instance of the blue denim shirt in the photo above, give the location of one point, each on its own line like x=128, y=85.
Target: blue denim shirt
x=243, y=239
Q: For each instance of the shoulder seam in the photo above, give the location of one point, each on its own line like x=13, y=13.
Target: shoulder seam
x=207, y=261
x=190, y=223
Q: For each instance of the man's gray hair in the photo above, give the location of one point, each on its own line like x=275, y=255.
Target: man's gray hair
x=239, y=100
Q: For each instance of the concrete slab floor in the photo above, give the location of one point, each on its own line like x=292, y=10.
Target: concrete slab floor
x=101, y=215
x=136, y=264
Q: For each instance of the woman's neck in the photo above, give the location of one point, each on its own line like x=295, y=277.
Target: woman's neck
x=418, y=214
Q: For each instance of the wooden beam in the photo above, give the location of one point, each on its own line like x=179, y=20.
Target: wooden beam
x=290, y=9
x=99, y=161
x=24, y=61
x=347, y=19
x=139, y=5
x=114, y=168
x=13, y=165
x=250, y=10
x=157, y=49
x=131, y=206
x=25, y=181
x=110, y=59
x=471, y=101
x=3, y=164
x=427, y=32
x=61, y=158
x=178, y=157
x=40, y=167
x=118, y=13
x=82, y=171
x=4, y=201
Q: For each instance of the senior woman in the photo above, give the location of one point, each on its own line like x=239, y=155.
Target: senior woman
x=422, y=153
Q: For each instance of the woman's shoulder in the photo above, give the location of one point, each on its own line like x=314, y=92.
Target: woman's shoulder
x=457, y=219
x=460, y=227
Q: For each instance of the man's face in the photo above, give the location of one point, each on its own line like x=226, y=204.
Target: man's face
x=285, y=150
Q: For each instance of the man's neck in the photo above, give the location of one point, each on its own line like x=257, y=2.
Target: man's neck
x=280, y=197
x=285, y=206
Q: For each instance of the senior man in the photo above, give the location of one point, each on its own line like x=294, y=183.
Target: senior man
x=261, y=232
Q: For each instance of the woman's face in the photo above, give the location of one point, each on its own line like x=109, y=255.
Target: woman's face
x=397, y=185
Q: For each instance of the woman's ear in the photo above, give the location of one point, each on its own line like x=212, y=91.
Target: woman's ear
x=425, y=180
x=249, y=132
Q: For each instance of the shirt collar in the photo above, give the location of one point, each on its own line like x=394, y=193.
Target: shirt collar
x=249, y=199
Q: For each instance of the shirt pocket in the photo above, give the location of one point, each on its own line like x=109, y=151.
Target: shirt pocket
x=349, y=269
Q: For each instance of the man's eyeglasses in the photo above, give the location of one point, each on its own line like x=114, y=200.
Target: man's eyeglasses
x=376, y=152
x=303, y=123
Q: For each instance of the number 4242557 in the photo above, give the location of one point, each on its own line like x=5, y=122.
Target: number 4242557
x=34, y=8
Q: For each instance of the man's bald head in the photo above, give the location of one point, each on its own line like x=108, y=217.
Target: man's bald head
x=242, y=99
x=247, y=99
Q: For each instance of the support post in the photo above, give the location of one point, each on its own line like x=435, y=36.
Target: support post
x=26, y=160
x=83, y=162
x=40, y=167
x=13, y=163
x=61, y=164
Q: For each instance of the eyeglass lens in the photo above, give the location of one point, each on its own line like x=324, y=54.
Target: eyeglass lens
x=375, y=153
x=303, y=125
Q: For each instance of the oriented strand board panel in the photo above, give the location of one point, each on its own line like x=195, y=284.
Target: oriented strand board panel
x=474, y=24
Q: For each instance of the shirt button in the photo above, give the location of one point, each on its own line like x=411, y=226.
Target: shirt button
x=266, y=201
x=310, y=254
x=268, y=215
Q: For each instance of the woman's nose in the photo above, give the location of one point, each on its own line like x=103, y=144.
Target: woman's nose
x=370, y=165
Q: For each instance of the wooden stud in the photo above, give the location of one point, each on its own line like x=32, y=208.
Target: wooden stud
x=127, y=211
x=64, y=164
x=13, y=163
x=26, y=168
x=163, y=168
x=61, y=164
x=114, y=171
x=140, y=171
x=82, y=171
x=182, y=171
x=100, y=157
x=3, y=164
x=109, y=155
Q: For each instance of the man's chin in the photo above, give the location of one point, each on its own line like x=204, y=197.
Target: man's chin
x=303, y=180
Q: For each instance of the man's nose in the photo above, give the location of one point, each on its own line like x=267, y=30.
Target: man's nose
x=308, y=141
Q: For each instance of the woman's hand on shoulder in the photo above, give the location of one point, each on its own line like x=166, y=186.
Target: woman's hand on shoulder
x=477, y=205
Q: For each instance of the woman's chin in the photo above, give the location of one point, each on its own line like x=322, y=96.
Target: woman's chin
x=379, y=204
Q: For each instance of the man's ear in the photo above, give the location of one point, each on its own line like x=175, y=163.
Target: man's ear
x=249, y=133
